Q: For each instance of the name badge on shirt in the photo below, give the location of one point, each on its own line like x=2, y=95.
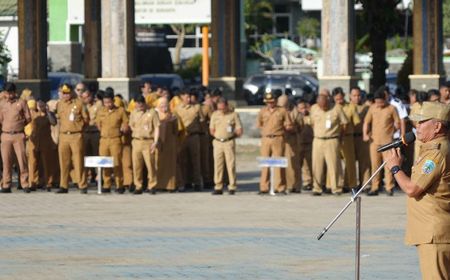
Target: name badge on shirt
x=146, y=127
x=328, y=124
x=71, y=117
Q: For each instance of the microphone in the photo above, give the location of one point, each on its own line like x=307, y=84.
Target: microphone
x=398, y=142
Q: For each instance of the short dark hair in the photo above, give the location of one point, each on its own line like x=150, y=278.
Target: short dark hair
x=140, y=99
x=356, y=88
x=432, y=92
x=100, y=94
x=222, y=100
x=421, y=96
x=300, y=100
x=337, y=90
x=380, y=93
x=108, y=94
x=10, y=87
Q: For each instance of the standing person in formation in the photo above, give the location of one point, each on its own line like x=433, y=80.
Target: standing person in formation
x=305, y=138
x=444, y=94
x=292, y=146
x=329, y=123
x=347, y=144
x=112, y=121
x=41, y=146
x=380, y=124
x=14, y=116
x=167, y=150
x=146, y=92
x=207, y=108
x=361, y=147
x=273, y=121
x=192, y=118
x=428, y=190
x=144, y=124
x=225, y=126
x=91, y=134
x=73, y=117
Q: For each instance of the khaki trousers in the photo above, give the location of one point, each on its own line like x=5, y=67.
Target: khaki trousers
x=224, y=153
x=434, y=261
x=272, y=147
x=347, y=149
x=325, y=161
x=362, y=155
x=10, y=144
x=112, y=147
x=127, y=167
x=190, y=160
x=293, y=173
x=71, y=154
x=376, y=159
x=141, y=155
x=305, y=160
x=40, y=158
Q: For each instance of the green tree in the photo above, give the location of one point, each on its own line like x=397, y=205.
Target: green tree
x=379, y=16
x=180, y=30
x=5, y=57
x=446, y=18
x=308, y=27
x=258, y=16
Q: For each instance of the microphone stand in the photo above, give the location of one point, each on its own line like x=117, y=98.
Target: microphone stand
x=355, y=197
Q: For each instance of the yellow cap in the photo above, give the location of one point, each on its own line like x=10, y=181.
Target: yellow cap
x=26, y=93
x=65, y=89
x=31, y=104
x=268, y=97
x=431, y=110
x=118, y=102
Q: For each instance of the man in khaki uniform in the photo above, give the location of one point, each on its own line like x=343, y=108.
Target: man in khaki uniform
x=428, y=190
x=273, y=121
x=206, y=154
x=225, y=126
x=127, y=166
x=380, y=124
x=91, y=134
x=112, y=121
x=192, y=118
x=305, y=138
x=144, y=124
x=361, y=147
x=328, y=124
x=292, y=147
x=72, y=116
x=347, y=145
x=14, y=116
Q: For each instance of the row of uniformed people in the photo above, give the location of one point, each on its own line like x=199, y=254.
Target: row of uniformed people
x=157, y=139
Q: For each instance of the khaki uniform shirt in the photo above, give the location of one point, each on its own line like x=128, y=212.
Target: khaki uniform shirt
x=41, y=130
x=14, y=116
x=428, y=219
x=144, y=123
x=72, y=115
x=352, y=115
x=93, y=110
x=327, y=123
x=192, y=116
x=225, y=124
x=273, y=123
x=110, y=122
x=382, y=121
x=362, y=112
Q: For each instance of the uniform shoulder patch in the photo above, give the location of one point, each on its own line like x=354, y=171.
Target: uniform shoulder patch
x=428, y=167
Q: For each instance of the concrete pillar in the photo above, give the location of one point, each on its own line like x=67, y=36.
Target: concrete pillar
x=428, y=68
x=226, y=42
x=338, y=49
x=32, y=15
x=118, y=47
x=92, y=41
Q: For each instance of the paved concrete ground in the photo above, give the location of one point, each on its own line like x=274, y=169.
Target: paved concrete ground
x=199, y=236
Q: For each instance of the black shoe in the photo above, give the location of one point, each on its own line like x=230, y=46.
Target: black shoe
x=327, y=191
x=152, y=191
x=372, y=193
x=19, y=187
x=48, y=188
x=172, y=191
x=316, y=193
x=62, y=190
x=217, y=192
x=120, y=190
x=263, y=192
x=106, y=190
x=181, y=190
x=137, y=191
x=390, y=192
x=308, y=188
x=83, y=191
x=132, y=188
x=27, y=190
x=197, y=188
x=6, y=190
x=231, y=192
x=345, y=189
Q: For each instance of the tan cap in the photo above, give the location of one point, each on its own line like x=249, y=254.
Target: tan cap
x=431, y=110
x=268, y=97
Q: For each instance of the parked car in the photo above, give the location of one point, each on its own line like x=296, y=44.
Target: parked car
x=171, y=81
x=294, y=85
x=58, y=78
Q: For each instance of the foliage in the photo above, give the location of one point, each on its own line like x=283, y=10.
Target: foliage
x=5, y=56
x=258, y=16
x=308, y=27
x=446, y=17
x=192, y=68
x=398, y=42
x=257, y=48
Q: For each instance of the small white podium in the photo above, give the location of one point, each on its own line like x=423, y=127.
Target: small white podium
x=99, y=163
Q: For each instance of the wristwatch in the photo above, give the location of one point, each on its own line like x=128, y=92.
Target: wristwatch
x=395, y=169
